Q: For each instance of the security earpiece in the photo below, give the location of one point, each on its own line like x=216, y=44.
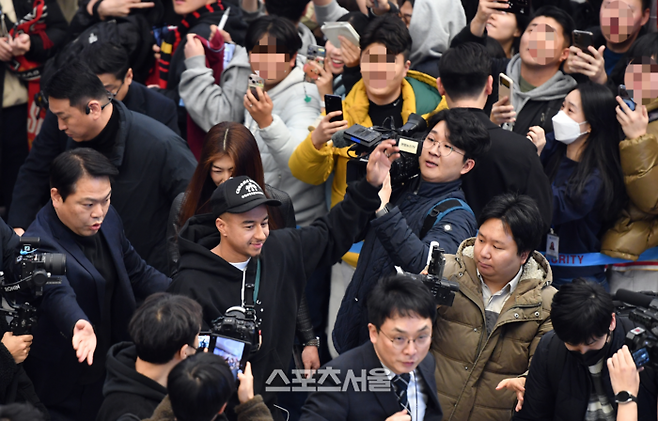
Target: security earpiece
x=87, y=109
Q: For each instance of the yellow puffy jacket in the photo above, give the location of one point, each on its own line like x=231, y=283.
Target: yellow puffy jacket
x=419, y=95
x=637, y=228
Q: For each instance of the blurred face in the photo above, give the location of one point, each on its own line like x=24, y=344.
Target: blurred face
x=402, y=342
x=501, y=26
x=183, y=7
x=440, y=161
x=116, y=87
x=495, y=253
x=543, y=43
x=335, y=58
x=221, y=169
x=78, y=125
x=641, y=81
x=83, y=210
x=621, y=19
x=267, y=63
x=382, y=73
x=243, y=234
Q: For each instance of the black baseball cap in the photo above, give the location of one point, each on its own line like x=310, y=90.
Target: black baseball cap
x=238, y=195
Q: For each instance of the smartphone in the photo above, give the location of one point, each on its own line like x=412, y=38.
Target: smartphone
x=640, y=357
x=204, y=340
x=582, y=40
x=505, y=84
x=519, y=7
x=317, y=54
x=333, y=103
x=234, y=352
x=333, y=29
x=255, y=81
x=623, y=94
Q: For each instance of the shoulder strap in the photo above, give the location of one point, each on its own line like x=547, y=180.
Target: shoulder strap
x=440, y=210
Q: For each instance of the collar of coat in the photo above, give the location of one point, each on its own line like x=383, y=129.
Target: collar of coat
x=535, y=276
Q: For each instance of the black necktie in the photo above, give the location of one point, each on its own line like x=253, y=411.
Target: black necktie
x=400, y=383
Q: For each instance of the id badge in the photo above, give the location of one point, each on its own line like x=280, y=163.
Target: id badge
x=552, y=246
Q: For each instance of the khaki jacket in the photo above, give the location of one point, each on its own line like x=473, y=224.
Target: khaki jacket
x=637, y=228
x=469, y=365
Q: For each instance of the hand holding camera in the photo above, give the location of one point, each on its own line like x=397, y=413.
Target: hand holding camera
x=380, y=160
x=624, y=375
x=18, y=346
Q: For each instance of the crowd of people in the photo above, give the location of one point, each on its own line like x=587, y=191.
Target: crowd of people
x=248, y=200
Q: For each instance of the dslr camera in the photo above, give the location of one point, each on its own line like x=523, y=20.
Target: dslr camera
x=240, y=324
x=442, y=289
x=363, y=141
x=36, y=270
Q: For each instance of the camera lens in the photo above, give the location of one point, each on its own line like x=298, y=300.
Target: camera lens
x=55, y=263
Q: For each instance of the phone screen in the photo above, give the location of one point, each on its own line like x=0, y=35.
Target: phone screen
x=232, y=351
x=204, y=340
x=640, y=357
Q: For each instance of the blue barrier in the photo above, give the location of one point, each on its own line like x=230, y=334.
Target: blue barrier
x=597, y=259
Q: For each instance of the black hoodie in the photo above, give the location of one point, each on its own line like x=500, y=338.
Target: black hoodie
x=125, y=390
x=287, y=258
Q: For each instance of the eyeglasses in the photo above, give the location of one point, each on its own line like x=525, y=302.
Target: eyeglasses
x=114, y=94
x=406, y=17
x=444, y=150
x=400, y=342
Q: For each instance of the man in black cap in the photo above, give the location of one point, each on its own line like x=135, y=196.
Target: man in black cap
x=264, y=280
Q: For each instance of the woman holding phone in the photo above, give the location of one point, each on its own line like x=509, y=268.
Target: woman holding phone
x=581, y=158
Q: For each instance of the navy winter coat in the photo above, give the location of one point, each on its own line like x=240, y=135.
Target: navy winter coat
x=392, y=240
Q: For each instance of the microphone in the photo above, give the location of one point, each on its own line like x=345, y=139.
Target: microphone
x=637, y=299
x=339, y=141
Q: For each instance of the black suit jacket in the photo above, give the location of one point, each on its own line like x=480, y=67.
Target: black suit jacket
x=52, y=364
x=510, y=166
x=360, y=405
x=143, y=100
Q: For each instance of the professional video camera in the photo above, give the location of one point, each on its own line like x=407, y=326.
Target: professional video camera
x=642, y=341
x=36, y=270
x=442, y=289
x=362, y=141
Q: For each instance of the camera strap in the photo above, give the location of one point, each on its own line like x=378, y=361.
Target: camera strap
x=250, y=290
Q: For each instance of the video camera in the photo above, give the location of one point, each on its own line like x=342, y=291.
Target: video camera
x=362, y=141
x=642, y=341
x=36, y=270
x=442, y=289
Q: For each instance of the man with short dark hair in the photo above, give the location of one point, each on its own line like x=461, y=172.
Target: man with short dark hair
x=230, y=261
x=484, y=342
x=539, y=86
x=402, y=230
x=164, y=331
x=104, y=278
x=154, y=163
x=109, y=62
x=569, y=377
x=512, y=164
x=401, y=311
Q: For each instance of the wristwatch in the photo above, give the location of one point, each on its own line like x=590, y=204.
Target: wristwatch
x=625, y=397
x=383, y=211
x=313, y=342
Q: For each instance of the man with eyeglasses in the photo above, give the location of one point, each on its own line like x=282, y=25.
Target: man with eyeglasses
x=484, y=342
x=401, y=231
x=397, y=370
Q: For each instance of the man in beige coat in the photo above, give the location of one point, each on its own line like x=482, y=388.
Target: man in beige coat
x=484, y=342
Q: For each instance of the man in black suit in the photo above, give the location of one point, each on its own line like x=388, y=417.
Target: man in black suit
x=89, y=311
x=396, y=369
x=110, y=63
x=154, y=163
x=512, y=164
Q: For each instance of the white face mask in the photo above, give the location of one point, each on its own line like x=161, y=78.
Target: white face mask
x=566, y=129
